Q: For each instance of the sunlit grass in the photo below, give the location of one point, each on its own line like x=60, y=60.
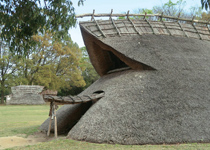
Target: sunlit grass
x=25, y=120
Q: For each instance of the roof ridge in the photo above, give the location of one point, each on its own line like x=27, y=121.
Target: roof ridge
x=161, y=16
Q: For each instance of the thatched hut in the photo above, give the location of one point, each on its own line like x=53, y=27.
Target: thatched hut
x=27, y=95
x=155, y=74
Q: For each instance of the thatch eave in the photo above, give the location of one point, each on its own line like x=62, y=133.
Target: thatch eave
x=156, y=52
x=101, y=55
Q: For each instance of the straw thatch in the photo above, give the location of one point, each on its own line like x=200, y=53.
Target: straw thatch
x=164, y=96
x=49, y=92
x=26, y=94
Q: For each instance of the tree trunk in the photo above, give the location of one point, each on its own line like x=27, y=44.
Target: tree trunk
x=2, y=92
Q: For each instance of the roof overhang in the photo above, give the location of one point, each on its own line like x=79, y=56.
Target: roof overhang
x=105, y=58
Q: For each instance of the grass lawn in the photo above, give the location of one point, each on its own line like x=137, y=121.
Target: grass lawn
x=21, y=119
x=25, y=120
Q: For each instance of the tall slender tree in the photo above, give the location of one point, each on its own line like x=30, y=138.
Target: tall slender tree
x=7, y=66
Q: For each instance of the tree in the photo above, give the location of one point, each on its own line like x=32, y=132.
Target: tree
x=144, y=10
x=23, y=18
x=178, y=9
x=205, y=16
x=53, y=64
x=7, y=67
x=205, y=4
x=171, y=9
x=88, y=73
x=197, y=12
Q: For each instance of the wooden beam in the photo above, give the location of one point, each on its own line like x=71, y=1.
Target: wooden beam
x=140, y=15
x=133, y=24
x=149, y=23
x=74, y=99
x=182, y=29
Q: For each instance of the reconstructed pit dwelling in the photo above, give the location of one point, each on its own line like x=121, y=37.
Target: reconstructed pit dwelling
x=156, y=77
x=27, y=95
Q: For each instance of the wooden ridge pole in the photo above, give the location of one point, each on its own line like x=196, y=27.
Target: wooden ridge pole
x=140, y=15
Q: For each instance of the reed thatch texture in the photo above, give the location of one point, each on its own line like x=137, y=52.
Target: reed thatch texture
x=137, y=36
x=129, y=27
x=163, y=98
x=26, y=94
x=148, y=107
x=166, y=104
x=49, y=92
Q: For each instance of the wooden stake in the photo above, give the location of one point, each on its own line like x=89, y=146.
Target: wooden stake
x=49, y=128
x=55, y=122
x=178, y=17
x=51, y=111
x=161, y=17
x=111, y=14
x=92, y=17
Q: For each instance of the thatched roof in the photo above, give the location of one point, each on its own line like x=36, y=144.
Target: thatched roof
x=113, y=42
x=26, y=94
x=49, y=92
x=164, y=96
x=148, y=107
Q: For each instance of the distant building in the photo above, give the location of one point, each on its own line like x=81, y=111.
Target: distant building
x=26, y=94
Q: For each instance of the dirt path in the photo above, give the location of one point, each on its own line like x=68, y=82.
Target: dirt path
x=13, y=141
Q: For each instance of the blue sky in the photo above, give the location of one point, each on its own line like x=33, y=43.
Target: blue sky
x=118, y=6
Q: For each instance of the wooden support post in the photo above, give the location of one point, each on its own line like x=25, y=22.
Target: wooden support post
x=50, y=114
x=49, y=128
x=55, y=122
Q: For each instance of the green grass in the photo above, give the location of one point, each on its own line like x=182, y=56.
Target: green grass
x=66, y=144
x=22, y=119
x=18, y=120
